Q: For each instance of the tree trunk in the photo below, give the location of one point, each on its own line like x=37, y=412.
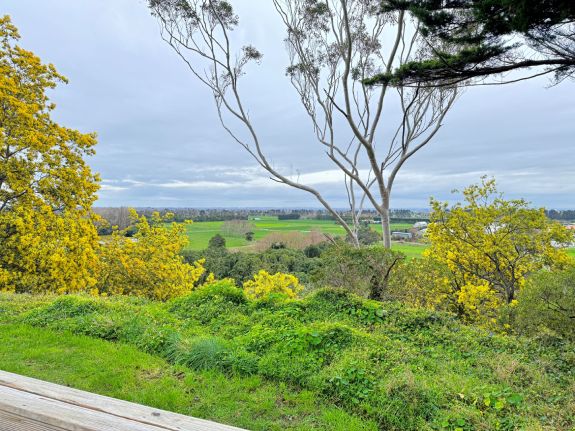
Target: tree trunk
x=354, y=239
x=385, y=223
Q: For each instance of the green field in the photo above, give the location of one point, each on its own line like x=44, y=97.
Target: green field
x=201, y=232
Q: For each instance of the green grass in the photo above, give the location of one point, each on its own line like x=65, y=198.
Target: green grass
x=571, y=252
x=201, y=232
x=410, y=250
x=123, y=372
x=326, y=362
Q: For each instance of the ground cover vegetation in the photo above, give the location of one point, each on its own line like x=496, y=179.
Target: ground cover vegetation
x=389, y=366
x=91, y=364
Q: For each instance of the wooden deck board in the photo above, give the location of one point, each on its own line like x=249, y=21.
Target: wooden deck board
x=12, y=422
x=61, y=408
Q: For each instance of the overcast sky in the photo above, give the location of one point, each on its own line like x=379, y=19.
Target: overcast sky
x=160, y=143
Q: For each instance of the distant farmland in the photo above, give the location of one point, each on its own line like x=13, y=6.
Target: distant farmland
x=201, y=232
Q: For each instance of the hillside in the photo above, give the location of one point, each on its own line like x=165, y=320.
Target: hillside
x=328, y=361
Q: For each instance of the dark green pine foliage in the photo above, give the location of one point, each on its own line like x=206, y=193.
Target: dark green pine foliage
x=471, y=39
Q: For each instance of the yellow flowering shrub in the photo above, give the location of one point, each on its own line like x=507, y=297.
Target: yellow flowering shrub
x=490, y=245
x=47, y=236
x=47, y=252
x=147, y=264
x=479, y=302
x=265, y=284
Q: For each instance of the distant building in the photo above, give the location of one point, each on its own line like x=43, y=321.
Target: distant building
x=420, y=225
x=401, y=235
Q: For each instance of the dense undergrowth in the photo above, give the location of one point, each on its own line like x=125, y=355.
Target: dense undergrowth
x=399, y=368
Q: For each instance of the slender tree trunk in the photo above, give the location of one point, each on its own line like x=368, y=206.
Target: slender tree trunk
x=353, y=237
x=385, y=223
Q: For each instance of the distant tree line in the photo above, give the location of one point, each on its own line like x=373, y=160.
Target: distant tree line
x=568, y=215
x=290, y=216
x=118, y=216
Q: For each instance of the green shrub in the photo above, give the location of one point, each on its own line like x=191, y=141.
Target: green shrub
x=243, y=266
x=339, y=304
x=351, y=385
x=217, y=241
x=546, y=305
x=147, y=332
x=422, y=282
x=365, y=271
x=420, y=319
x=221, y=290
x=105, y=326
x=210, y=303
x=332, y=300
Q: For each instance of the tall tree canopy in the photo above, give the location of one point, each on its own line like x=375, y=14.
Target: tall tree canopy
x=475, y=39
x=46, y=187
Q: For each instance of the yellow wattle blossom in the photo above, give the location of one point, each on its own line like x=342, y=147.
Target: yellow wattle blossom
x=148, y=264
x=490, y=246
x=47, y=235
x=265, y=284
x=479, y=301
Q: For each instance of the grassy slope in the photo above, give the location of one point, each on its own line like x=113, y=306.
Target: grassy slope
x=123, y=372
x=406, y=370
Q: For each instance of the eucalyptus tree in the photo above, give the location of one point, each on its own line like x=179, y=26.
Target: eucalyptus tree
x=333, y=46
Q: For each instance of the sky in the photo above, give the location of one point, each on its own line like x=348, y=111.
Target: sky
x=160, y=143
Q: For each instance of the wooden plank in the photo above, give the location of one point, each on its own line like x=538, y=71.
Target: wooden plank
x=59, y=414
x=76, y=410
x=12, y=422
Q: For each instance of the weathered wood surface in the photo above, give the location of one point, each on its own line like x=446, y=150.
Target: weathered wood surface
x=34, y=405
